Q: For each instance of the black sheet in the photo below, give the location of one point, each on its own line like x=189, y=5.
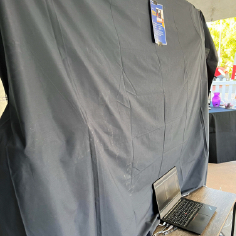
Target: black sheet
x=97, y=112
x=211, y=54
x=222, y=139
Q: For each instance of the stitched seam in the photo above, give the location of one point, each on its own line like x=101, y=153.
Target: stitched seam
x=157, y=160
x=191, y=14
x=140, y=171
x=185, y=72
x=162, y=78
x=68, y=64
x=127, y=76
x=132, y=164
x=45, y=75
x=122, y=66
x=122, y=104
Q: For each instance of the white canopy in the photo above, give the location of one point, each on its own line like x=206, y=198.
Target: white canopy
x=216, y=9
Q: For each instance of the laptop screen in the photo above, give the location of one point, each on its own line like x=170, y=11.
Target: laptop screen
x=167, y=191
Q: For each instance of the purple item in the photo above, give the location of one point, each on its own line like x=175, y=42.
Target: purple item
x=216, y=99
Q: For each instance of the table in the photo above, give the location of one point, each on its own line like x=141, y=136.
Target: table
x=224, y=202
x=222, y=135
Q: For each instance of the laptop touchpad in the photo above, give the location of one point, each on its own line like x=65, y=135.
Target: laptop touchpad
x=199, y=223
x=207, y=210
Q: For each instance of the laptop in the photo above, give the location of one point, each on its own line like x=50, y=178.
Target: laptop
x=178, y=211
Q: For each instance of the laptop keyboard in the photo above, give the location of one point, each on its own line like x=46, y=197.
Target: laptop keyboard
x=183, y=213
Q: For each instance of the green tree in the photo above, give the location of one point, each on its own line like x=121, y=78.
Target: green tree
x=228, y=40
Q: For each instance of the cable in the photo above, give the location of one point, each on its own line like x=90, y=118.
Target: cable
x=168, y=229
x=163, y=230
x=171, y=230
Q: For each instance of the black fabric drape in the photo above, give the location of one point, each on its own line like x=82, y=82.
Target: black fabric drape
x=96, y=113
x=222, y=135
x=211, y=53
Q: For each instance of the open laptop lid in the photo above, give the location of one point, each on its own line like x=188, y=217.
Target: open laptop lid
x=167, y=191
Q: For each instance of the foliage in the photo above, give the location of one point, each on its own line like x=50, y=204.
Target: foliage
x=228, y=40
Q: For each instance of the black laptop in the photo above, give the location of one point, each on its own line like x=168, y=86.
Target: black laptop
x=178, y=211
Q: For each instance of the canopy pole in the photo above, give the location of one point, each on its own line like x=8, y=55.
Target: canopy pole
x=220, y=43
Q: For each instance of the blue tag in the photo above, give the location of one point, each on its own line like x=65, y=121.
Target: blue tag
x=158, y=23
